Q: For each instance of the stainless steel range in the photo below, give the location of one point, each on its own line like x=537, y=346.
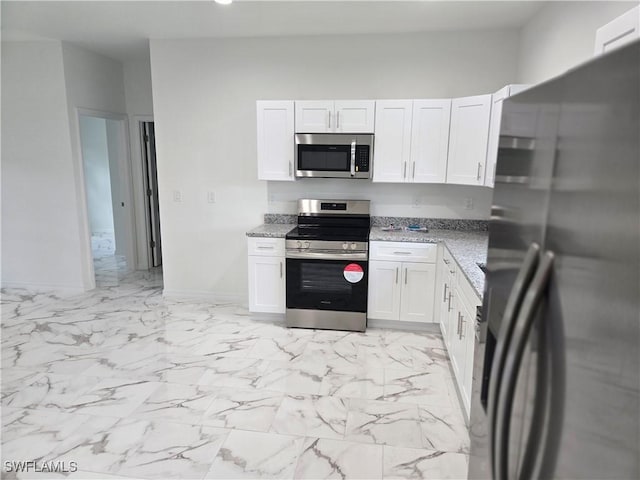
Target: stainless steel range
x=327, y=265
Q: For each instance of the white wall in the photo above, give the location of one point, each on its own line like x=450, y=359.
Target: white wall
x=93, y=135
x=96, y=83
x=40, y=230
x=204, y=94
x=138, y=94
x=562, y=35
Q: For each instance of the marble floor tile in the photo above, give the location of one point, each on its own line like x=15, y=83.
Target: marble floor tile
x=256, y=455
x=141, y=448
x=243, y=409
x=416, y=387
x=281, y=348
x=386, y=423
x=423, y=464
x=52, y=391
x=367, y=383
x=443, y=429
x=32, y=434
x=322, y=458
x=395, y=356
x=234, y=372
x=177, y=403
x=311, y=416
x=114, y=397
x=289, y=380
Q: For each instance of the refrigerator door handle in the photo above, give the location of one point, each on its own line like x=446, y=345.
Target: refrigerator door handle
x=530, y=306
x=512, y=308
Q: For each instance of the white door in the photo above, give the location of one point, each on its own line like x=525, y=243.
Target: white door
x=618, y=32
x=266, y=284
x=468, y=139
x=418, y=283
x=392, y=148
x=354, y=116
x=275, y=140
x=384, y=290
x=314, y=116
x=430, y=140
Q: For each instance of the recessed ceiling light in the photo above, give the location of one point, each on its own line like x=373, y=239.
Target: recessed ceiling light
x=223, y=2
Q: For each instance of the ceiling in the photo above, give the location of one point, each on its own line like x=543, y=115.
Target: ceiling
x=121, y=29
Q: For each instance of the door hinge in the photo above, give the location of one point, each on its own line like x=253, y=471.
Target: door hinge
x=146, y=138
x=149, y=192
x=152, y=243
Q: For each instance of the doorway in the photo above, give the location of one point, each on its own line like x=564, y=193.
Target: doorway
x=152, y=209
x=104, y=147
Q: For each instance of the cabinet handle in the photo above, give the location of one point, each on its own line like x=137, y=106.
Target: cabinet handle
x=329, y=112
x=404, y=172
x=281, y=273
x=413, y=171
x=405, y=275
x=458, y=328
x=444, y=299
x=269, y=247
x=290, y=168
x=479, y=168
x=338, y=119
x=402, y=253
x=449, y=306
x=446, y=262
x=462, y=322
x=397, y=269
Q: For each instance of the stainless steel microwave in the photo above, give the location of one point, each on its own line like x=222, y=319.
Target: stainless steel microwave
x=333, y=155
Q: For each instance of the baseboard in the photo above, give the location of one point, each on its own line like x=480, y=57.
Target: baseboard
x=205, y=295
x=400, y=325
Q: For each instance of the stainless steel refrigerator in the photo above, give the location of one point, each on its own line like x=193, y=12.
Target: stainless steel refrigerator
x=556, y=388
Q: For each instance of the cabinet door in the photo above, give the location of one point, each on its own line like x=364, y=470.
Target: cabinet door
x=418, y=282
x=430, y=140
x=384, y=290
x=275, y=140
x=314, y=116
x=468, y=332
x=355, y=116
x=468, y=137
x=393, y=140
x=494, y=134
x=618, y=32
x=456, y=351
x=266, y=284
x=442, y=301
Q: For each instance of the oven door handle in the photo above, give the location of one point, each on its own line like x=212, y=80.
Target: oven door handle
x=328, y=255
x=353, y=158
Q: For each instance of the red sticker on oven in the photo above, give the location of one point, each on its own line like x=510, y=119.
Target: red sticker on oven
x=353, y=273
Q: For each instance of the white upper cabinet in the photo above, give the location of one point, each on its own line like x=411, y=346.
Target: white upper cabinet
x=511, y=125
x=430, y=140
x=392, y=152
x=355, y=116
x=341, y=116
x=618, y=32
x=314, y=116
x=275, y=140
x=468, y=136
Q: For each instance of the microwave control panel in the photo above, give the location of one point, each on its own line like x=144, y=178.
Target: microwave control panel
x=362, y=158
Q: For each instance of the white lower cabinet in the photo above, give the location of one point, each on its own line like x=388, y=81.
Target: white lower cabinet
x=401, y=290
x=457, y=306
x=266, y=275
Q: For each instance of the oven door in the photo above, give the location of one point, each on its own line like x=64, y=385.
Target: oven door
x=327, y=284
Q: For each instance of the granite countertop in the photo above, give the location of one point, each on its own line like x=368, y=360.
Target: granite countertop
x=468, y=248
x=271, y=230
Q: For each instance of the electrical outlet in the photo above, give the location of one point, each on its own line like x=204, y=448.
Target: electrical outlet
x=177, y=196
x=468, y=203
x=211, y=197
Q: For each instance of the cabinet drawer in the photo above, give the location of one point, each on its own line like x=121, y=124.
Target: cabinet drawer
x=265, y=246
x=467, y=294
x=403, y=251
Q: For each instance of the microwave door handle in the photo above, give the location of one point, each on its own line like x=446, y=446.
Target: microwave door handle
x=353, y=158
